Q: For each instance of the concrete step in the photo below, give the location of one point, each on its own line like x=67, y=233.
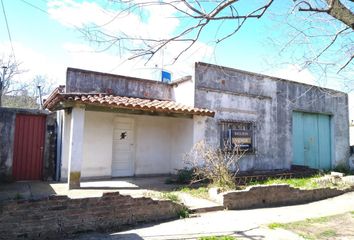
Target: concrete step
x=199, y=205
x=206, y=209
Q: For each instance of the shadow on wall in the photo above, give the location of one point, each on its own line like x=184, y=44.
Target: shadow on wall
x=351, y=158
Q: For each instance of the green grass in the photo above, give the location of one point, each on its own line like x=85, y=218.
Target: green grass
x=201, y=192
x=170, y=196
x=327, y=234
x=276, y=225
x=299, y=223
x=218, y=238
x=305, y=183
x=314, y=228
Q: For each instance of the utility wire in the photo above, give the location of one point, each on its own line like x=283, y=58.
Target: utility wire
x=44, y=11
x=8, y=29
x=34, y=6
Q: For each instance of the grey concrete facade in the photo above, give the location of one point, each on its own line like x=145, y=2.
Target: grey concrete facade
x=268, y=103
x=84, y=81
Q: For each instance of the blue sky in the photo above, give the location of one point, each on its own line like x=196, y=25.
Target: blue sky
x=46, y=42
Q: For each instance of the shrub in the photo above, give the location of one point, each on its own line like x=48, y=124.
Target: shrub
x=219, y=166
x=185, y=175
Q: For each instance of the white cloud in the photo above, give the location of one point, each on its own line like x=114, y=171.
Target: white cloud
x=152, y=21
x=155, y=21
x=83, y=56
x=295, y=73
x=33, y=62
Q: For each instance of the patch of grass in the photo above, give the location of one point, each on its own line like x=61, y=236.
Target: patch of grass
x=201, y=192
x=218, y=238
x=276, y=225
x=320, y=228
x=305, y=183
x=170, y=196
x=317, y=220
x=327, y=234
x=299, y=224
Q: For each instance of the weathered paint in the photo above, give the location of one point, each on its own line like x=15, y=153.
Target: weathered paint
x=78, y=80
x=269, y=103
x=74, y=180
x=28, y=147
x=312, y=140
x=76, y=146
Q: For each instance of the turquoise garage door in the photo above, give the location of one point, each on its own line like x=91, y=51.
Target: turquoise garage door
x=312, y=140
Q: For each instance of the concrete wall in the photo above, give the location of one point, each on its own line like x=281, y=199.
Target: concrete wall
x=160, y=143
x=58, y=217
x=268, y=103
x=84, y=81
x=7, y=133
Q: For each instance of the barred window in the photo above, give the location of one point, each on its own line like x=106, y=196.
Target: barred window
x=237, y=135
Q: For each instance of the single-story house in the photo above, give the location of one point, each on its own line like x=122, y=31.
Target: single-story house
x=115, y=126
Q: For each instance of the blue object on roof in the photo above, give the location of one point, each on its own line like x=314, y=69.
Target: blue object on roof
x=165, y=76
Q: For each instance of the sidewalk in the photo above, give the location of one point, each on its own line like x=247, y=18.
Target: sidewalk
x=244, y=224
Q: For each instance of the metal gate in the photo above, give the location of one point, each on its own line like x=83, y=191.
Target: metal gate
x=312, y=140
x=28, y=147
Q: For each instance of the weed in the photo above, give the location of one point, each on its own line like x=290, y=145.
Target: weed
x=185, y=175
x=343, y=168
x=201, y=192
x=183, y=213
x=276, y=225
x=317, y=220
x=18, y=196
x=328, y=233
x=170, y=196
x=169, y=180
x=217, y=165
x=218, y=238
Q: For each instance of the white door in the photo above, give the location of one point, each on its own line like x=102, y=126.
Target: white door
x=123, y=148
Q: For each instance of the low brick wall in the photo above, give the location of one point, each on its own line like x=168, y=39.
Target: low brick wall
x=275, y=195
x=58, y=216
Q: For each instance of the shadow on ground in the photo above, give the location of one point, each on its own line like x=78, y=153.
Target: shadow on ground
x=135, y=236
x=135, y=186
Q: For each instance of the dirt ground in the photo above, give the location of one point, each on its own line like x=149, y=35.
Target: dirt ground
x=331, y=227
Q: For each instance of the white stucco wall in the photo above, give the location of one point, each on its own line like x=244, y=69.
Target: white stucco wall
x=97, y=149
x=184, y=93
x=351, y=134
x=159, y=144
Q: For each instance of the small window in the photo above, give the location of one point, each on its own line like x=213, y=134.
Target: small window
x=237, y=135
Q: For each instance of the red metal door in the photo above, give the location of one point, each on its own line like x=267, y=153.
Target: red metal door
x=28, y=147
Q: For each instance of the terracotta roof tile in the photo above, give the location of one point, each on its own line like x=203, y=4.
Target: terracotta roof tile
x=132, y=103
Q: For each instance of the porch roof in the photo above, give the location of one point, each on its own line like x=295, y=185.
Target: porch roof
x=60, y=100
